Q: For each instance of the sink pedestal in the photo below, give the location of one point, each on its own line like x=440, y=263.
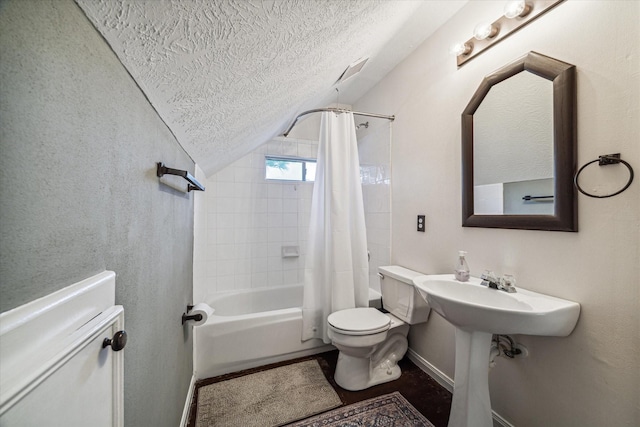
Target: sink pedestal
x=471, y=405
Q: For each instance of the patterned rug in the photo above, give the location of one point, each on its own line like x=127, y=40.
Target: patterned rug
x=390, y=410
x=268, y=398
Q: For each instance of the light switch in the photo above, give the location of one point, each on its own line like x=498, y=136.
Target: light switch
x=421, y=223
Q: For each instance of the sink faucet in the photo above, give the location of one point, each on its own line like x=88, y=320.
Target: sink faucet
x=506, y=283
x=489, y=279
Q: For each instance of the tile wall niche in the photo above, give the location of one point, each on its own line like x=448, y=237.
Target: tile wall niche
x=247, y=219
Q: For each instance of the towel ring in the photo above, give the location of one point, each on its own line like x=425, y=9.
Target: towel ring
x=607, y=159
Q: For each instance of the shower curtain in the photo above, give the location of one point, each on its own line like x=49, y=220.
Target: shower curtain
x=336, y=269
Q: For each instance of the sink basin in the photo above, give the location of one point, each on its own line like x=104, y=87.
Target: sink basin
x=474, y=307
x=478, y=312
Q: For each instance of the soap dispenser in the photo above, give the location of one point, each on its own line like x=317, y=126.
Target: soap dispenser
x=461, y=271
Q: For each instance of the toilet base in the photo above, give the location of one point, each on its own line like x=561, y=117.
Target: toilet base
x=354, y=373
x=361, y=366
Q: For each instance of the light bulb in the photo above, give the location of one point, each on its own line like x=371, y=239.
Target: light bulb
x=484, y=31
x=517, y=9
x=462, y=49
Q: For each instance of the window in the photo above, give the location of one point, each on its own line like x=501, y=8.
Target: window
x=290, y=168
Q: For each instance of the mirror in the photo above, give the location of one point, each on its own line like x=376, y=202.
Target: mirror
x=518, y=148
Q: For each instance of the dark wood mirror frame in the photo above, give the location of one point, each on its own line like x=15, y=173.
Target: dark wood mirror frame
x=563, y=77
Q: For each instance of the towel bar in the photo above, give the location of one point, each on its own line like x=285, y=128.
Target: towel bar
x=193, y=183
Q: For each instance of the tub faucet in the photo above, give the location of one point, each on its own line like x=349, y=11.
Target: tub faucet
x=506, y=283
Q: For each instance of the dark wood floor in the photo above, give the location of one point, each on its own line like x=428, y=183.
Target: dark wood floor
x=424, y=393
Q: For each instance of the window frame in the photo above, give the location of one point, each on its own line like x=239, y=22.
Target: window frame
x=290, y=159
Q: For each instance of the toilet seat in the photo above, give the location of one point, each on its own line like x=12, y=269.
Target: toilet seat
x=359, y=321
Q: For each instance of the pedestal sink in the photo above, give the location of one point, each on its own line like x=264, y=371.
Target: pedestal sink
x=478, y=312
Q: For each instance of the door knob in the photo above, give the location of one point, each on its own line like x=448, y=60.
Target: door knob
x=118, y=341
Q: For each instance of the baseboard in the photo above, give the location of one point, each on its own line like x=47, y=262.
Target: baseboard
x=187, y=403
x=446, y=382
x=435, y=373
x=498, y=421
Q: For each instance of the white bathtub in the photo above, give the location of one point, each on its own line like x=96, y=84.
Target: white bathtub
x=254, y=328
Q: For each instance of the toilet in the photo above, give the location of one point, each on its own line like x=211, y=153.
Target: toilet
x=372, y=342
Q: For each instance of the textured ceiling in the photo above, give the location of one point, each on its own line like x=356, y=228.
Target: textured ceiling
x=228, y=75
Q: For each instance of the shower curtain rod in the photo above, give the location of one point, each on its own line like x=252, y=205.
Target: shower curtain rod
x=336, y=110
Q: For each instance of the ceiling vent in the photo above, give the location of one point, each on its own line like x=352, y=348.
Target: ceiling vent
x=352, y=70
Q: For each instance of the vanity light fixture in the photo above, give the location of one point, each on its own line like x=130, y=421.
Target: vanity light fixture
x=517, y=13
x=462, y=49
x=485, y=30
x=517, y=9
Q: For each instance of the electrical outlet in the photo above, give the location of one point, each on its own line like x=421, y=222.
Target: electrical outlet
x=421, y=223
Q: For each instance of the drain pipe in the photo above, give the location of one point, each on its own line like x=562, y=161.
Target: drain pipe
x=494, y=352
x=512, y=351
x=505, y=345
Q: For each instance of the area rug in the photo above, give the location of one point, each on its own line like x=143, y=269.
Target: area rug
x=390, y=410
x=267, y=399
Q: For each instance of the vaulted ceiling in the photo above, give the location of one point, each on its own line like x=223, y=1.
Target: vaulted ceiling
x=229, y=75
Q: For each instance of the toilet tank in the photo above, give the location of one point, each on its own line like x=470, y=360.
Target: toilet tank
x=399, y=295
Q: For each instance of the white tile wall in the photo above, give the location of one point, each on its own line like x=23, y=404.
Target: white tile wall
x=249, y=219
x=200, y=262
x=374, y=147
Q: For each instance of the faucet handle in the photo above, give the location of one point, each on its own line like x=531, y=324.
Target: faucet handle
x=489, y=279
x=509, y=279
x=489, y=275
x=508, y=283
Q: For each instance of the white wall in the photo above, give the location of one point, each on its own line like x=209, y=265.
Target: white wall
x=590, y=378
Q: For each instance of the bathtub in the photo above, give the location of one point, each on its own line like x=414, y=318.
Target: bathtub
x=254, y=328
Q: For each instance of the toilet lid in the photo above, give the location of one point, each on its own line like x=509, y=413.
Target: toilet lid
x=359, y=321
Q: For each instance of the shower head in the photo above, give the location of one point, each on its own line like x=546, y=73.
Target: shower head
x=363, y=125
